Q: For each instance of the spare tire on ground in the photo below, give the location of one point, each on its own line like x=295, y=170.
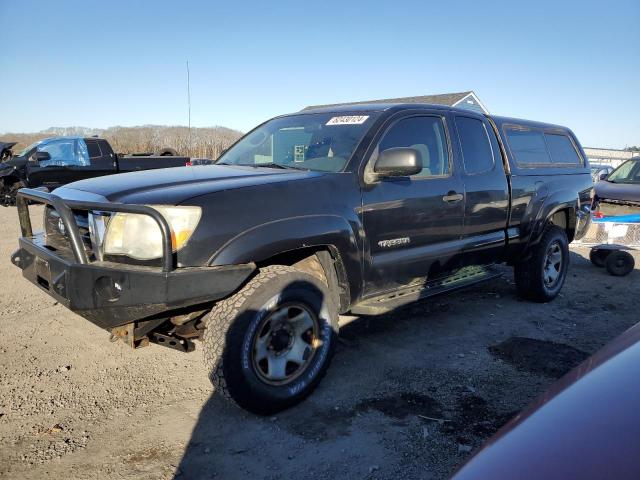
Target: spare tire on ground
x=620, y=263
x=598, y=256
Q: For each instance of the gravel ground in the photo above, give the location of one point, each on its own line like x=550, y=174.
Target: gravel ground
x=409, y=394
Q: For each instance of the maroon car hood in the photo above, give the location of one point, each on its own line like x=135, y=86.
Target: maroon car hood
x=586, y=426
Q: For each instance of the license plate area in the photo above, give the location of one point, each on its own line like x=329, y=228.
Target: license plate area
x=43, y=273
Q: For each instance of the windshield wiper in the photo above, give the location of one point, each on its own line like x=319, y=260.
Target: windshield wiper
x=265, y=165
x=276, y=165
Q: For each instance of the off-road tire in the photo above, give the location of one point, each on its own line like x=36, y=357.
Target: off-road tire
x=620, y=263
x=529, y=274
x=232, y=324
x=598, y=256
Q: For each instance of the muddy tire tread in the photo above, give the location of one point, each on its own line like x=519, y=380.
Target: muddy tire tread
x=528, y=273
x=221, y=317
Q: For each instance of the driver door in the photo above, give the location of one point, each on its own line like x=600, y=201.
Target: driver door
x=413, y=225
x=68, y=162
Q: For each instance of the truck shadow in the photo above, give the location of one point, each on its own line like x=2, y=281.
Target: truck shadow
x=404, y=382
x=367, y=379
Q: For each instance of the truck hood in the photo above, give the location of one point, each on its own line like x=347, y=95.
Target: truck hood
x=172, y=186
x=618, y=191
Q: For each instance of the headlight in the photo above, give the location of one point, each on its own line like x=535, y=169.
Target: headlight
x=139, y=236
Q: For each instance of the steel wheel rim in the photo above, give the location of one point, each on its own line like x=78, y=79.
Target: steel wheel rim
x=285, y=343
x=552, y=270
x=620, y=262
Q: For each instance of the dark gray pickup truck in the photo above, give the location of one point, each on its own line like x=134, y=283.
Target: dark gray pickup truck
x=358, y=209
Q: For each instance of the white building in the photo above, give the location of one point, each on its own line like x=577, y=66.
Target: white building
x=608, y=156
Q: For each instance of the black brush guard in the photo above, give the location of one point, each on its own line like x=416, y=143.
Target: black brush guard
x=112, y=294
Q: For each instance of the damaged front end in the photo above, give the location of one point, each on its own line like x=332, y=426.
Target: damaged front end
x=177, y=332
x=9, y=186
x=161, y=304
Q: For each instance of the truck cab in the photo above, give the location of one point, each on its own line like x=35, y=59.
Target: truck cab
x=55, y=162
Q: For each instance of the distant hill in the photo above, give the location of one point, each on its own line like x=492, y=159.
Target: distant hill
x=72, y=131
x=206, y=142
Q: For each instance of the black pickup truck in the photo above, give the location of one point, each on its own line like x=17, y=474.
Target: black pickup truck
x=56, y=161
x=358, y=209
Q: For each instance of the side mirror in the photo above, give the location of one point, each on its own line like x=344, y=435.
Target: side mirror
x=398, y=162
x=42, y=156
x=603, y=176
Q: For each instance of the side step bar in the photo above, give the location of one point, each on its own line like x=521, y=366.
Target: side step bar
x=404, y=296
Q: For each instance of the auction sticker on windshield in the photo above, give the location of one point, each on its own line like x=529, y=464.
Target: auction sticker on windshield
x=348, y=120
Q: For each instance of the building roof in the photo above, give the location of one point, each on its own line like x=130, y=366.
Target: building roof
x=449, y=99
x=608, y=153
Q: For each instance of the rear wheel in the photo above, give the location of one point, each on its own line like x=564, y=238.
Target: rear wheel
x=269, y=345
x=540, y=278
x=620, y=263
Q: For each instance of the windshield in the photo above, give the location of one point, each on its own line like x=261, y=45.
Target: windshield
x=319, y=141
x=26, y=150
x=628, y=172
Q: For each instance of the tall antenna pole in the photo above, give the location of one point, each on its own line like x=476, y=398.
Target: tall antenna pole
x=189, y=102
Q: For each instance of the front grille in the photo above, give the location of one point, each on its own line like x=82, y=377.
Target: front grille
x=57, y=238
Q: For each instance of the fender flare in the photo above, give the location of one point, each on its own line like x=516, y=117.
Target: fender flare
x=560, y=200
x=264, y=241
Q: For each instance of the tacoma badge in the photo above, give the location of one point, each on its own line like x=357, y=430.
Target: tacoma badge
x=394, y=242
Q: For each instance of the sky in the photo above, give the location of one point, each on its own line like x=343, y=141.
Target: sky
x=100, y=64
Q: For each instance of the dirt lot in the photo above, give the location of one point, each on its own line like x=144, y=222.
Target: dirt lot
x=409, y=394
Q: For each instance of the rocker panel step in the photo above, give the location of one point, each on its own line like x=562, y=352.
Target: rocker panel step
x=464, y=277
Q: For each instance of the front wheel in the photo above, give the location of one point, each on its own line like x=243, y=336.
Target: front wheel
x=540, y=278
x=268, y=346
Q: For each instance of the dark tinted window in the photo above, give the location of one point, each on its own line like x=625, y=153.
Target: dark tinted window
x=105, y=148
x=92, y=147
x=427, y=136
x=561, y=149
x=528, y=146
x=476, y=147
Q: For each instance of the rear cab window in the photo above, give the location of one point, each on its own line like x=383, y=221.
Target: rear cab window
x=477, y=151
x=93, y=148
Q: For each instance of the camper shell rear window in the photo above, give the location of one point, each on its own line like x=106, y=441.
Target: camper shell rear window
x=533, y=147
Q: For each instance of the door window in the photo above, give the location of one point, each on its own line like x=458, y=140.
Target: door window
x=427, y=136
x=65, y=152
x=476, y=147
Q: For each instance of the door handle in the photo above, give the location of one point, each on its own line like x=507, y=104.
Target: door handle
x=452, y=197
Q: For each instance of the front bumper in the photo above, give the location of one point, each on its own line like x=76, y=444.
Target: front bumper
x=113, y=294
x=110, y=295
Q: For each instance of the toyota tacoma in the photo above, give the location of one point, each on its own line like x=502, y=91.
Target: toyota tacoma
x=351, y=208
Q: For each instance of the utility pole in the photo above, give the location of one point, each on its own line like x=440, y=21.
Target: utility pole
x=189, y=104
